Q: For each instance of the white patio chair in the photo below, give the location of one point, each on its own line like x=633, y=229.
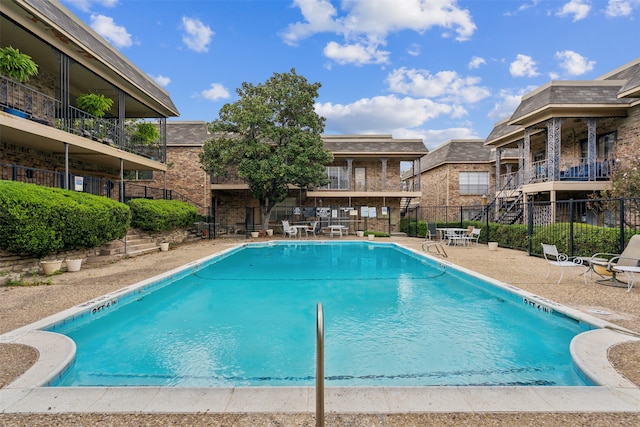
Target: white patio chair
x=474, y=236
x=453, y=237
x=560, y=260
x=313, y=228
x=288, y=230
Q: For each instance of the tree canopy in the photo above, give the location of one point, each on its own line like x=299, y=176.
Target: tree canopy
x=272, y=136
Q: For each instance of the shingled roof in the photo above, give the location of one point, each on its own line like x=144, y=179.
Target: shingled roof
x=196, y=133
x=630, y=73
x=458, y=151
x=569, y=95
x=374, y=145
x=82, y=35
x=503, y=129
x=187, y=133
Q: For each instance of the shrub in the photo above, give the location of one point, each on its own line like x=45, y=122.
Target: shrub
x=162, y=215
x=36, y=220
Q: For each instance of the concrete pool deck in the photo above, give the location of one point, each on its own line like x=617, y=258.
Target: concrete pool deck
x=619, y=396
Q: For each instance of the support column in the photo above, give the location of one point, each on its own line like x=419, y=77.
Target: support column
x=499, y=183
x=591, y=147
x=66, y=165
x=384, y=174
x=350, y=173
x=554, y=127
x=527, y=155
x=121, y=138
x=65, y=65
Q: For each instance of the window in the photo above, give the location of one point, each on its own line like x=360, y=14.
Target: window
x=138, y=175
x=360, y=179
x=338, y=179
x=474, y=182
x=604, y=146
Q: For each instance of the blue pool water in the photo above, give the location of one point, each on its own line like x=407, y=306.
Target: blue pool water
x=392, y=318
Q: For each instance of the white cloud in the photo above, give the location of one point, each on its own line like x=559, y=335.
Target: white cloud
x=578, y=8
x=523, y=7
x=216, y=91
x=476, y=62
x=574, y=63
x=414, y=49
x=523, y=66
x=446, y=85
x=616, y=8
x=432, y=138
x=161, y=80
x=85, y=5
x=197, y=35
x=505, y=106
x=380, y=113
x=370, y=21
x=355, y=54
x=115, y=34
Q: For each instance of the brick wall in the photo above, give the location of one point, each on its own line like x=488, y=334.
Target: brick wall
x=184, y=175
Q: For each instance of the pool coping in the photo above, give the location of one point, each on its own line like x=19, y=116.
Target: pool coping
x=27, y=394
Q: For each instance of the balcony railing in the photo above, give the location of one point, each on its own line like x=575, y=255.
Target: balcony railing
x=26, y=102
x=92, y=185
x=572, y=169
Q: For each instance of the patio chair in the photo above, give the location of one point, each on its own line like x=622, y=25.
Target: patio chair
x=313, y=228
x=453, y=237
x=611, y=264
x=431, y=233
x=560, y=260
x=474, y=236
x=288, y=230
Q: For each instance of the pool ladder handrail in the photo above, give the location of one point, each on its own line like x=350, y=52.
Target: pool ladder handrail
x=439, y=249
x=319, y=366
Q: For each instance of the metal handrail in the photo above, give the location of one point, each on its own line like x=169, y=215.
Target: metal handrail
x=319, y=366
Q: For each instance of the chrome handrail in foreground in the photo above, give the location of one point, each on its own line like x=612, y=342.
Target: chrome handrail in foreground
x=319, y=366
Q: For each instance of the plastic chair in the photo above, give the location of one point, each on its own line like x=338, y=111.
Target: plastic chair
x=560, y=260
x=288, y=230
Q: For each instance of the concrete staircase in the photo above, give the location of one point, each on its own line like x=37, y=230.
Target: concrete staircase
x=137, y=243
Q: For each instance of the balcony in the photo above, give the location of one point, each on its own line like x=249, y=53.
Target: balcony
x=572, y=169
x=27, y=103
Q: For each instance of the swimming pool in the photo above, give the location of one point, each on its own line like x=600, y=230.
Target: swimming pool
x=392, y=318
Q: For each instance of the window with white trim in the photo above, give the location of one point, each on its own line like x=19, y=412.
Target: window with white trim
x=474, y=182
x=338, y=179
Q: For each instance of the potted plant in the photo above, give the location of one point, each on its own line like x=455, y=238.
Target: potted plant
x=95, y=104
x=19, y=67
x=147, y=133
x=16, y=65
x=51, y=266
x=73, y=264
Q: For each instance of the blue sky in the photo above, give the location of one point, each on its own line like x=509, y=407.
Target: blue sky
x=429, y=69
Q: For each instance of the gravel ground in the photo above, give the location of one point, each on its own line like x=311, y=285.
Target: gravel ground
x=23, y=305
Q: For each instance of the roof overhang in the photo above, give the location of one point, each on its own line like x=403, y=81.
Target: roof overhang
x=570, y=111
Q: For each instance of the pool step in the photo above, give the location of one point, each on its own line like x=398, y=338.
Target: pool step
x=137, y=244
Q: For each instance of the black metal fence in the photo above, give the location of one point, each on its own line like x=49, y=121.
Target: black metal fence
x=113, y=189
x=577, y=227
x=241, y=221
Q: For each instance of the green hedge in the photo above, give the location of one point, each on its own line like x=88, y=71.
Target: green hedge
x=162, y=215
x=37, y=220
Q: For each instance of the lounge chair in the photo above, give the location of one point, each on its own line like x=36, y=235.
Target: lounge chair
x=619, y=263
x=288, y=230
x=560, y=260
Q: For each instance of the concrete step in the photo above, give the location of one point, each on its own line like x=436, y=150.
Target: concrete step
x=105, y=258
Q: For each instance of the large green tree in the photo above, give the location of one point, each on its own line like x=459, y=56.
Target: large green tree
x=272, y=136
